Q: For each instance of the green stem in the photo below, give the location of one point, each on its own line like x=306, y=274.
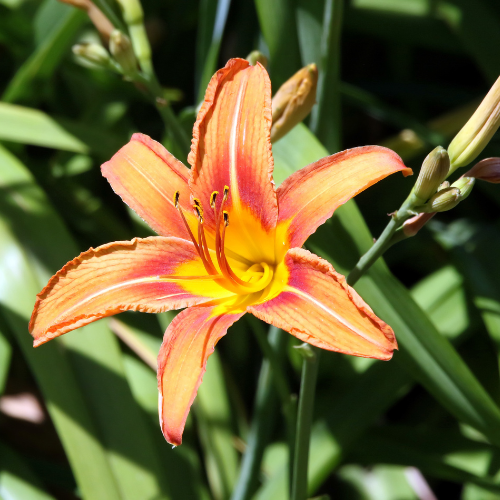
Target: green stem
x=304, y=421
x=326, y=116
x=385, y=240
x=172, y=125
x=262, y=422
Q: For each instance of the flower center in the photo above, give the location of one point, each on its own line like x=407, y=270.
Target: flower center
x=253, y=279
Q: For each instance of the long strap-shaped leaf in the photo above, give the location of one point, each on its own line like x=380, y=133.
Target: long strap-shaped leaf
x=54, y=374
x=93, y=353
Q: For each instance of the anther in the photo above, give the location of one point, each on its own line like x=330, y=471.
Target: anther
x=213, y=197
x=226, y=218
x=177, y=195
x=226, y=191
x=199, y=212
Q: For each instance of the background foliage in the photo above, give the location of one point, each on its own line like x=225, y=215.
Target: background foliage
x=408, y=75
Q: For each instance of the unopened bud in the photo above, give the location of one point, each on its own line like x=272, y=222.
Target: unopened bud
x=256, y=56
x=433, y=172
x=93, y=53
x=101, y=22
x=465, y=185
x=121, y=48
x=294, y=101
x=412, y=226
x=478, y=131
x=443, y=200
x=486, y=170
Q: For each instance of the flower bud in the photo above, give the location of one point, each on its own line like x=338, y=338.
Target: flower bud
x=412, y=226
x=101, y=22
x=443, y=200
x=255, y=56
x=293, y=101
x=465, y=185
x=478, y=131
x=121, y=48
x=433, y=172
x=486, y=170
x=93, y=53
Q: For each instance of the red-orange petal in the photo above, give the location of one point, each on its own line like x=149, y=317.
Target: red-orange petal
x=318, y=307
x=231, y=147
x=187, y=344
x=146, y=176
x=117, y=277
x=310, y=196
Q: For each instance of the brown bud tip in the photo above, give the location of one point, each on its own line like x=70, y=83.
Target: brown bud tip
x=412, y=226
x=294, y=101
x=486, y=170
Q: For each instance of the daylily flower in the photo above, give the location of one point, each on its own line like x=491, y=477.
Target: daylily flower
x=230, y=243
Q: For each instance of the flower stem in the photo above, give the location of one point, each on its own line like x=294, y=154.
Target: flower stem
x=172, y=125
x=262, y=422
x=385, y=240
x=304, y=421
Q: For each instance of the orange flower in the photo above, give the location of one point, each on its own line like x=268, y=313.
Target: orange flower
x=229, y=243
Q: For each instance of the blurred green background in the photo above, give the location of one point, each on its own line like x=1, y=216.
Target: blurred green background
x=78, y=417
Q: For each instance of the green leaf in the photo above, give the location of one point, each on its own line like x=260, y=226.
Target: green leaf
x=212, y=21
x=17, y=480
x=46, y=57
x=31, y=126
x=326, y=116
x=212, y=409
x=213, y=414
x=277, y=23
x=52, y=369
x=441, y=454
x=5, y=355
x=93, y=351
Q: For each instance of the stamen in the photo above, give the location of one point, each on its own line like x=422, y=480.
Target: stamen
x=204, y=251
x=213, y=197
x=199, y=212
x=209, y=267
x=226, y=218
x=226, y=191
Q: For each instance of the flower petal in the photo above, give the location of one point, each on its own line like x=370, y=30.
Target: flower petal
x=187, y=344
x=231, y=146
x=146, y=176
x=310, y=196
x=121, y=276
x=317, y=306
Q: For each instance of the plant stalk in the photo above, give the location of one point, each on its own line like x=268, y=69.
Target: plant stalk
x=262, y=422
x=385, y=240
x=304, y=421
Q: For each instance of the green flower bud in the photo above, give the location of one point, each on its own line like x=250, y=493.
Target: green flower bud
x=443, y=200
x=433, y=172
x=255, y=56
x=93, y=53
x=465, y=185
x=294, y=101
x=121, y=48
x=478, y=131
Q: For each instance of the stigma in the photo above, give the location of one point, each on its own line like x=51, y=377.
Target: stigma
x=255, y=278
